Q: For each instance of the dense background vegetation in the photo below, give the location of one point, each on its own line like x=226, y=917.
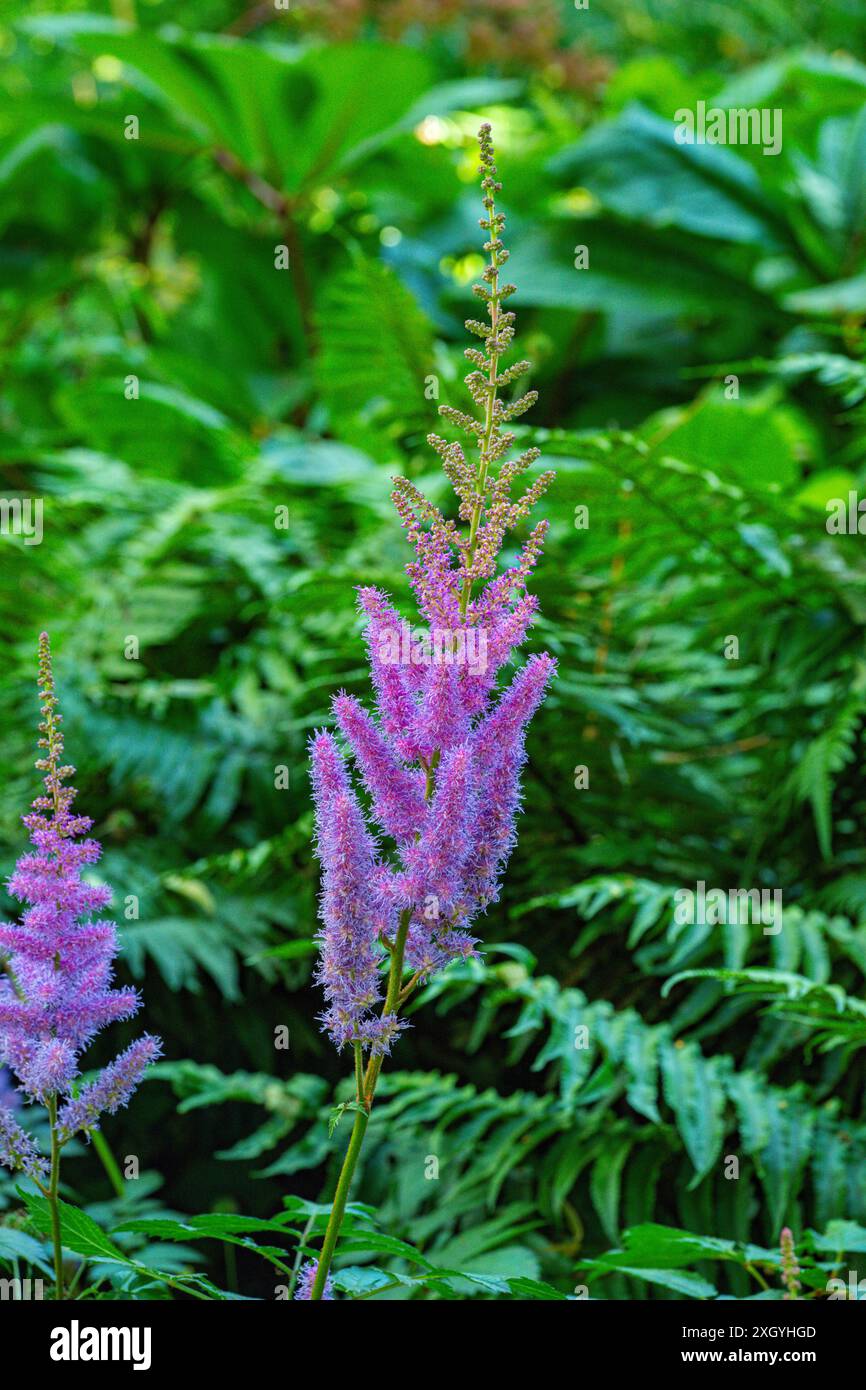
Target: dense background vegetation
x=342, y=132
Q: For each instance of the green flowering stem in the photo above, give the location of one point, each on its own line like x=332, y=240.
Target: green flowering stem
x=409, y=988
x=489, y=411
x=341, y=1197
x=395, y=980
x=430, y=775
x=53, y=1199
x=362, y=1117
x=109, y=1162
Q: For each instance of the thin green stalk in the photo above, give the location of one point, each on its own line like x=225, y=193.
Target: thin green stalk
x=359, y=1129
x=341, y=1197
x=76, y=1279
x=756, y=1274
x=53, y=1199
x=395, y=979
x=296, y=1267
x=109, y=1162
x=430, y=775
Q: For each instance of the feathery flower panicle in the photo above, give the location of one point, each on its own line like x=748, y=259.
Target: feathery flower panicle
x=441, y=758
x=111, y=1090
x=394, y=695
x=354, y=910
x=435, y=862
x=397, y=792
x=56, y=988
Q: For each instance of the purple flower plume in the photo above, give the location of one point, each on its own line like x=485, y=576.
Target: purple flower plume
x=56, y=989
x=355, y=910
x=500, y=756
x=397, y=792
x=436, y=861
x=110, y=1091
x=440, y=757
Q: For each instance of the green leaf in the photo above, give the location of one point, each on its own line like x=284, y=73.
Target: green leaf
x=605, y=1182
x=693, y=1088
x=18, y=1245
x=635, y=166
x=782, y=1162
x=360, y=1281
x=667, y=1247
x=841, y=1237
x=211, y=1225
x=680, y=1282
x=376, y=345
x=339, y=1111
x=79, y=1232
x=535, y=1289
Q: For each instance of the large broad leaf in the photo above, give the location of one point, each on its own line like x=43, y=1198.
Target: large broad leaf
x=682, y=1283
x=46, y=170
x=817, y=78
x=319, y=463
x=661, y=273
x=751, y=441
x=667, y=1247
x=292, y=117
x=363, y=1281
x=230, y=1228
x=637, y=169
x=19, y=1246
x=830, y=301
x=841, y=1237
x=361, y=91
x=79, y=1232
x=366, y=1281
x=658, y=1254
x=210, y=1226
x=81, y=1235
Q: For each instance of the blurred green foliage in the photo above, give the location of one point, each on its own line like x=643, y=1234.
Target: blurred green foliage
x=213, y=437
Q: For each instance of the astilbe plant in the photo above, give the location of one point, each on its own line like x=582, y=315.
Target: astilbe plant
x=57, y=966
x=441, y=759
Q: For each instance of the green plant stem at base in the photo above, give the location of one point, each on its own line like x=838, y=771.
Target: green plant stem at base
x=109, y=1162
x=53, y=1189
x=341, y=1196
x=362, y=1117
